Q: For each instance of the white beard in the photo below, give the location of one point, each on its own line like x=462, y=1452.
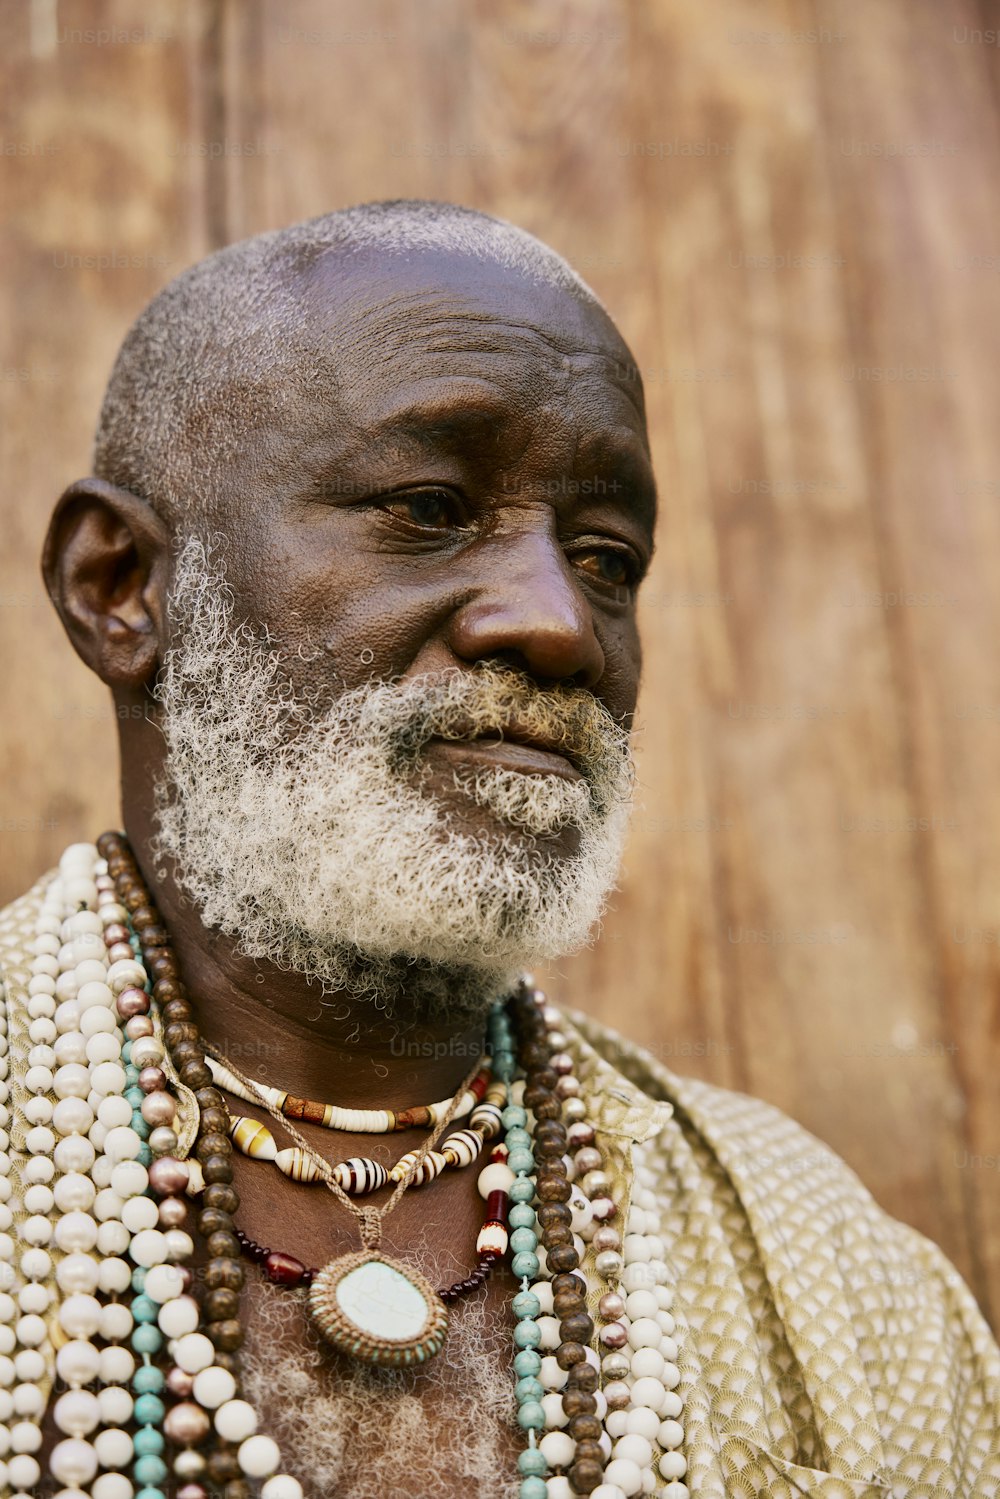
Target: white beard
x=303, y=830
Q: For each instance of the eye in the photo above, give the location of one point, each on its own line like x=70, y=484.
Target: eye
x=432, y=508
x=611, y=567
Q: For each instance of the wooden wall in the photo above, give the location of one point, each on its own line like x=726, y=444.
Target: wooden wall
x=791, y=210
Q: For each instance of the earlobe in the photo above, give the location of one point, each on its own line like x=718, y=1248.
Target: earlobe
x=105, y=566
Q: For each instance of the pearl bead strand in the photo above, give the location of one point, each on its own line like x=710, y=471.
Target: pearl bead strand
x=644, y=1422
x=25, y=1366
x=73, y=1070
x=641, y=1409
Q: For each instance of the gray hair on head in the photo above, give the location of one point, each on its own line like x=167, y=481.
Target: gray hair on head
x=215, y=353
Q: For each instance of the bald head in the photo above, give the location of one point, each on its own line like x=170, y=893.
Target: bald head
x=236, y=347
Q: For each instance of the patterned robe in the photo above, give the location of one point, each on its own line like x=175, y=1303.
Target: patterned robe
x=825, y=1349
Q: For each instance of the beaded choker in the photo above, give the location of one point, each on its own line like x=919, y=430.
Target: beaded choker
x=350, y=1121
x=117, y=1128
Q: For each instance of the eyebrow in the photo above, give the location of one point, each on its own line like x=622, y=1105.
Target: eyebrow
x=435, y=426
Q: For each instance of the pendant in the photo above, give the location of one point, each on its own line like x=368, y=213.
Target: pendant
x=377, y=1310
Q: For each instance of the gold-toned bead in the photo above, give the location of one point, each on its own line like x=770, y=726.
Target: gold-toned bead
x=253, y=1138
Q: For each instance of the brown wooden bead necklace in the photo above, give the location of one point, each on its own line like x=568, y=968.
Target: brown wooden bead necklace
x=576, y=1327
x=223, y=1275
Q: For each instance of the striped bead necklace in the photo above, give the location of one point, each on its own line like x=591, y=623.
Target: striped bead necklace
x=361, y=1175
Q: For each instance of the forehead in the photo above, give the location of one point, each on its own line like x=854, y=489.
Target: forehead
x=360, y=284
x=458, y=331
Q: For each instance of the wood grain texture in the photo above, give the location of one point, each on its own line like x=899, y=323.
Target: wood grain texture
x=787, y=208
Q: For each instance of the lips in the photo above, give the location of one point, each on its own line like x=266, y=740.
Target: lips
x=515, y=748
x=530, y=741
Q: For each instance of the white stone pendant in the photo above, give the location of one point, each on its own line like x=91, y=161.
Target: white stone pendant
x=378, y=1310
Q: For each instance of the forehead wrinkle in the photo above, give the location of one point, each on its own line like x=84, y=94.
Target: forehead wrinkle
x=398, y=314
x=374, y=324
x=475, y=332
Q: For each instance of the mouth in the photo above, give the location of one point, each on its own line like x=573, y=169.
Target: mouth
x=510, y=749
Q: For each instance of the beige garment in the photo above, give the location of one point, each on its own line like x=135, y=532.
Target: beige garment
x=825, y=1349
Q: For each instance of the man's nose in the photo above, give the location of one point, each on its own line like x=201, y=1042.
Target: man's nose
x=529, y=610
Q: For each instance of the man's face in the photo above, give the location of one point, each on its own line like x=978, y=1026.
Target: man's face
x=470, y=482
x=416, y=749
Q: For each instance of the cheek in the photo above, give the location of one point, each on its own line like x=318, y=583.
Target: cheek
x=343, y=617
x=339, y=624
x=619, y=685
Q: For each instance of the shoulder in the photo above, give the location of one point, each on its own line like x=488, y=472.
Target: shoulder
x=798, y=1293
x=754, y=1140
x=756, y=1143
x=811, y=1219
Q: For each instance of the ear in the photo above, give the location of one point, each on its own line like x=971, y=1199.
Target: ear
x=105, y=565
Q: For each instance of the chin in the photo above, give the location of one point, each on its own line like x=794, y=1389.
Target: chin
x=484, y=826
x=464, y=816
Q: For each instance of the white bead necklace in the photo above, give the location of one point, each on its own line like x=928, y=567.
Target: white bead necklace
x=643, y=1434
x=647, y=1433
x=75, y=1081
x=83, y=1188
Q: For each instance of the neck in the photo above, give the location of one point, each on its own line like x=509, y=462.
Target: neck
x=280, y=1029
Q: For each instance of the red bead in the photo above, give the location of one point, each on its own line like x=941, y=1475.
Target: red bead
x=479, y=1085
x=496, y=1207
x=284, y=1269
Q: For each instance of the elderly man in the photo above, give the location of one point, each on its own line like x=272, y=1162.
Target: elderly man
x=308, y=1190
